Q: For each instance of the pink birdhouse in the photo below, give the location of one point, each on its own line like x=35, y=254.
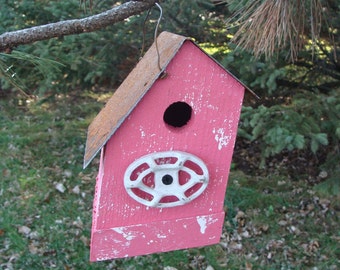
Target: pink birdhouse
x=166, y=139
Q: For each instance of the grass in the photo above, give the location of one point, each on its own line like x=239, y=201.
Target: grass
x=286, y=224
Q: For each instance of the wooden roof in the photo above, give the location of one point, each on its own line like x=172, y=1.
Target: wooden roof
x=131, y=91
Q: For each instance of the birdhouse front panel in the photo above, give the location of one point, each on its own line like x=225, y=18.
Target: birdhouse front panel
x=163, y=173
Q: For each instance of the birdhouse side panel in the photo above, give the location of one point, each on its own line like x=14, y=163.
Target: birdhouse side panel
x=156, y=236
x=215, y=98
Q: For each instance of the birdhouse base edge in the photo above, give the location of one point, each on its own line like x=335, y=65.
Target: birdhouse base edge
x=155, y=237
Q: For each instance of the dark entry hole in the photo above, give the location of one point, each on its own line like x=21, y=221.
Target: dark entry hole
x=167, y=179
x=177, y=114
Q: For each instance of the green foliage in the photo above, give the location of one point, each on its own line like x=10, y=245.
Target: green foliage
x=331, y=186
x=310, y=121
x=45, y=68
x=42, y=144
x=87, y=59
x=299, y=107
x=104, y=57
x=258, y=74
x=300, y=111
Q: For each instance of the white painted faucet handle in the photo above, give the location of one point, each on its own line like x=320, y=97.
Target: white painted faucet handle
x=166, y=179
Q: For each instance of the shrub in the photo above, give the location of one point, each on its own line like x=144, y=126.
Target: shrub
x=310, y=121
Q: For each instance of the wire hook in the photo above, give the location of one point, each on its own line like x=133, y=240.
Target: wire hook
x=163, y=74
x=156, y=33
x=144, y=33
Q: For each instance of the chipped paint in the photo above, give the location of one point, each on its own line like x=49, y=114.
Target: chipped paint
x=150, y=242
x=161, y=235
x=221, y=138
x=205, y=221
x=127, y=236
x=142, y=132
x=202, y=222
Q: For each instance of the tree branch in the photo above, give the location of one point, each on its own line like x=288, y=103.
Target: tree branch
x=9, y=40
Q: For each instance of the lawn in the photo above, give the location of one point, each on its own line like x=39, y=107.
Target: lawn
x=273, y=220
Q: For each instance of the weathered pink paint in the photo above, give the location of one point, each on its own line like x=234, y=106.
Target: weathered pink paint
x=122, y=227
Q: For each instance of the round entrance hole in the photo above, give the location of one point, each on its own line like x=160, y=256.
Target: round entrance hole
x=177, y=114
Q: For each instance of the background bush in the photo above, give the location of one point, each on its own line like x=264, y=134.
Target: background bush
x=299, y=106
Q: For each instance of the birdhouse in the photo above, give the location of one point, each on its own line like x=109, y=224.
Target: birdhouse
x=166, y=139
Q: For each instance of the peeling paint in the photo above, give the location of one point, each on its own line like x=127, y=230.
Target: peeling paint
x=142, y=132
x=221, y=138
x=103, y=258
x=202, y=221
x=212, y=107
x=127, y=236
x=150, y=242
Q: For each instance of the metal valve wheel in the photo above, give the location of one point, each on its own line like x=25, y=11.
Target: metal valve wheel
x=166, y=179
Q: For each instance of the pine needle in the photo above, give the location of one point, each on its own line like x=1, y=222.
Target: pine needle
x=44, y=65
x=266, y=27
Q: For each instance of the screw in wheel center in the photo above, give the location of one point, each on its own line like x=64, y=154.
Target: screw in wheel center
x=167, y=179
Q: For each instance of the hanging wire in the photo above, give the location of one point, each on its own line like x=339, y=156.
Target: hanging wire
x=156, y=33
x=144, y=33
x=163, y=74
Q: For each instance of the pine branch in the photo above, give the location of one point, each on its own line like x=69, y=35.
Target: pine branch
x=9, y=40
x=266, y=27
